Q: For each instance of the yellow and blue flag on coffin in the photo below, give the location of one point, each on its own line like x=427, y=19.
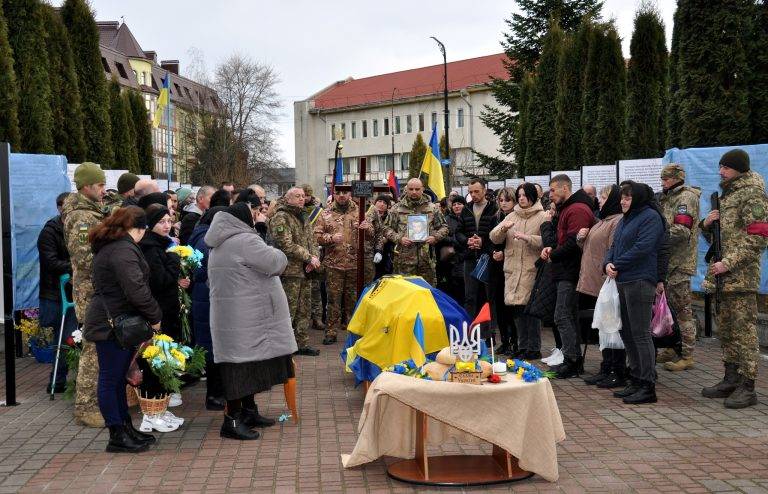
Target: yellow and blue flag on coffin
x=162, y=100
x=397, y=319
x=432, y=166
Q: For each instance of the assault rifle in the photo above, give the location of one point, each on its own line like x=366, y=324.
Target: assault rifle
x=715, y=252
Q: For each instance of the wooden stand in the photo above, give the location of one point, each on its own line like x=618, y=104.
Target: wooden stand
x=455, y=470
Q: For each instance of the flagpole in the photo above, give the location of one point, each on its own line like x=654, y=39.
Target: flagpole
x=169, y=164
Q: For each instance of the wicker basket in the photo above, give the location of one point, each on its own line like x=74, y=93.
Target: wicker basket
x=153, y=406
x=467, y=377
x=131, y=395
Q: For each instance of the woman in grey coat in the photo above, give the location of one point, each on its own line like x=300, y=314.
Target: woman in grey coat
x=250, y=324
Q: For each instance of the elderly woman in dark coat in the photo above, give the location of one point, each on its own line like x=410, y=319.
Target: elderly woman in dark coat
x=250, y=323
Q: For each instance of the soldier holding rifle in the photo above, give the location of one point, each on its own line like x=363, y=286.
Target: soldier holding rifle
x=735, y=275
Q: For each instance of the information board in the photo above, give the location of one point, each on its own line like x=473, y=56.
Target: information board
x=513, y=182
x=542, y=180
x=112, y=177
x=599, y=175
x=496, y=185
x=646, y=171
x=574, y=175
x=362, y=188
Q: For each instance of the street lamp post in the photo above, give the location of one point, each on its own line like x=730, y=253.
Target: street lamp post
x=445, y=104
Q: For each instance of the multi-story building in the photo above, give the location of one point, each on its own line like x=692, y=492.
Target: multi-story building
x=379, y=117
x=138, y=70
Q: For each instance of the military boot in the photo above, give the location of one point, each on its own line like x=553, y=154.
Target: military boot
x=90, y=419
x=679, y=364
x=728, y=385
x=744, y=396
x=667, y=355
x=318, y=324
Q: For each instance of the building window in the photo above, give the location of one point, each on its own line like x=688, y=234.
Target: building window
x=434, y=119
x=405, y=159
x=408, y=124
x=105, y=65
x=354, y=130
x=385, y=162
x=144, y=78
x=397, y=124
x=343, y=131
x=373, y=164
x=375, y=128
x=460, y=118
x=386, y=126
x=333, y=132
x=421, y=122
x=121, y=70
x=365, y=128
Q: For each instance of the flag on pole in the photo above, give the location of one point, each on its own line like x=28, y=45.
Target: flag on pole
x=417, y=345
x=392, y=182
x=162, y=100
x=338, y=172
x=431, y=165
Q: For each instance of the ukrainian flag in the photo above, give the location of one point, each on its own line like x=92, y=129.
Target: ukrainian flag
x=431, y=165
x=162, y=100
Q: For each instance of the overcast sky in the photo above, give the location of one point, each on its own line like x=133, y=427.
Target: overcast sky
x=312, y=44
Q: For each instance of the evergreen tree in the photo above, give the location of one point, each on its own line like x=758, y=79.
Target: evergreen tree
x=143, y=129
x=122, y=144
x=673, y=113
x=418, y=150
x=647, y=86
x=68, y=137
x=133, y=150
x=26, y=36
x=758, y=81
x=591, y=98
x=542, y=111
x=570, y=81
x=84, y=40
x=714, y=72
x=612, y=112
x=522, y=46
x=521, y=142
x=9, y=96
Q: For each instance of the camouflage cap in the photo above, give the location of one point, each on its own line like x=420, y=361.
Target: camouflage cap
x=307, y=189
x=89, y=174
x=673, y=170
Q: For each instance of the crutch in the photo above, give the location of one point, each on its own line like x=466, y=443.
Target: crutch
x=65, y=306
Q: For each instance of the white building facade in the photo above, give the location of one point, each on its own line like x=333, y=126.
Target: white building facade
x=379, y=117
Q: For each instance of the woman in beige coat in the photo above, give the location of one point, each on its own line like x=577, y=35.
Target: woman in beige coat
x=595, y=243
x=520, y=235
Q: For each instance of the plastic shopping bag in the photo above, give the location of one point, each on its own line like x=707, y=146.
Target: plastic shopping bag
x=607, y=315
x=662, y=323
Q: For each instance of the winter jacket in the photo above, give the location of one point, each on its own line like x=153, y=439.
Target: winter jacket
x=121, y=282
x=573, y=215
x=189, y=219
x=519, y=255
x=54, y=259
x=637, y=240
x=201, y=305
x=338, y=220
x=595, y=247
x=681, y=211
x=249, y=317
x=164, y=274
x=468, y=227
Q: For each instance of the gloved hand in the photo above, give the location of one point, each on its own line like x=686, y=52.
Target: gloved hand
x=377, y=258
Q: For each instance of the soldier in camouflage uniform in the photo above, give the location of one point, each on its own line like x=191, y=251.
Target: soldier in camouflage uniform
x=336, y=232
x=292, y=234
x=743, y=209
x=375, y=240
x=80, y=213
x=415, y=258
x=316, y=314
x=680, y=204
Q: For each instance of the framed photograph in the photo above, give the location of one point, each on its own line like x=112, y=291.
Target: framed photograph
x=418, y=227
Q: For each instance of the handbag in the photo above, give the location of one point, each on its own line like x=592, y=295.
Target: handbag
x=481, y=272
x=134, y=376
x=130, y=330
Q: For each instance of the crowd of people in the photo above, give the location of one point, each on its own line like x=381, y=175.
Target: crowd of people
x=274, y=270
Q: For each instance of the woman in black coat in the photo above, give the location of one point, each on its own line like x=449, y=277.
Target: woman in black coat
x=120, y=276
x=164, y=268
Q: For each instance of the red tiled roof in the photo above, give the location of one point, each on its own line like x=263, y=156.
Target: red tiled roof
x=411, y=83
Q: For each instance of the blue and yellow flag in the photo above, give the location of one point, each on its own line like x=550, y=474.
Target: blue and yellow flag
x=417, y=346
x=162, y=101
x=431, y=165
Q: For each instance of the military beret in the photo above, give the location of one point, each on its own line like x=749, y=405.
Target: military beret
x=88, y=174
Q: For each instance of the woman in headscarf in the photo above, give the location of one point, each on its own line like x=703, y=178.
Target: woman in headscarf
x=594, y=243
x=251, y=328
x=633, y=261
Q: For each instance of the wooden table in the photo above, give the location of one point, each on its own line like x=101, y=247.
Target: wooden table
x=455, y=470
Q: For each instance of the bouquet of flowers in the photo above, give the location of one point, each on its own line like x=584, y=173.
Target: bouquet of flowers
x=527, y=371
x=74, y=347
x=191, y=259
x=408, y=368
x=39, y=339
x=167, y=359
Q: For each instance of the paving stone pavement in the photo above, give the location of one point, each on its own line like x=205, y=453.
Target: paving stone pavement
x=684, y=443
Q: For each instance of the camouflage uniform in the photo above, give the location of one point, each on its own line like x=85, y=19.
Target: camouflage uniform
x=292, y=234
x=416, y=259
x=681, y=210
x=79, y=215
x=743, y=203
x=316, y=311
x=374, y=242
x=340, y=261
